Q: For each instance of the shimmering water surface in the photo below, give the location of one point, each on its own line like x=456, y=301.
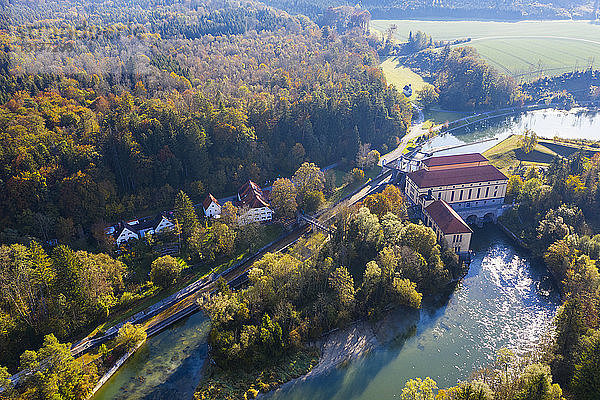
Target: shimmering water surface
x=505, y=300
x=573, y=124
x=168, y=366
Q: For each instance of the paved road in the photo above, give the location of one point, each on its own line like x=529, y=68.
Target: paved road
x=416, y=130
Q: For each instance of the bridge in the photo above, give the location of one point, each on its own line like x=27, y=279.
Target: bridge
x=314, y=222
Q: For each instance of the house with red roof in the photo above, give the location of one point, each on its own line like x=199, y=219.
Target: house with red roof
x=211, y=207
x=448, y=225
x=453, y=189
x=253, y=204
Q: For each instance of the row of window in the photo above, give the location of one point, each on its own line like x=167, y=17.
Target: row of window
x=456, y=238
x=470, y=196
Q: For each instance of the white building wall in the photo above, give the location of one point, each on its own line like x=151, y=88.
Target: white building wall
x=213, y=210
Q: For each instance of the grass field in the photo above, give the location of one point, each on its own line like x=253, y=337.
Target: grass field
x=508, y=154
x=399, y=75
x=523, y=49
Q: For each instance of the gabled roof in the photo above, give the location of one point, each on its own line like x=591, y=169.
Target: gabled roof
x=446, y=218
x=454, y=159
x=146, y=223
x=456, y=176
x=251, y=195
x=209, y=200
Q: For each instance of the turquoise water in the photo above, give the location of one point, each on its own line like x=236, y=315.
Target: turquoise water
x=505, y=300
x=168, y=366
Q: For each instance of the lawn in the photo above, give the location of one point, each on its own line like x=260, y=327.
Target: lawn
x=399, y=75
x=508, y=154
x=521, y=49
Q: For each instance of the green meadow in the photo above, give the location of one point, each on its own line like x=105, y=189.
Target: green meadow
x=525, y=49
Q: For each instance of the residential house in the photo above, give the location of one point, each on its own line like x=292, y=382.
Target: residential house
x=137, y=229
x=253, y=203
x=211, y=206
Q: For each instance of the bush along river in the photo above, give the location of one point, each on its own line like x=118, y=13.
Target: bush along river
x=505, y=300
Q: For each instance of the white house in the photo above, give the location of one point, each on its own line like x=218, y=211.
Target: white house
x=211, y=206
x=252, y=199
x=137, y=229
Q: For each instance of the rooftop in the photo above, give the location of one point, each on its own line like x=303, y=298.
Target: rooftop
x=446, y=218
x=209, y=200
x=457, y=176
x=454, y=159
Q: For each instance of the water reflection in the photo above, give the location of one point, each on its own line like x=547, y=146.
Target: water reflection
x=168, y=365
x=504, y=300
x=574, y=124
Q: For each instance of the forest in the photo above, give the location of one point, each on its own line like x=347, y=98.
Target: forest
x=103, y=122
x=375, y=260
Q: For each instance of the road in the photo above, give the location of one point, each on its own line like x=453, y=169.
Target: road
x=416, y=130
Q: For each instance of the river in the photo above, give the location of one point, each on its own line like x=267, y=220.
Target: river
x=505, y=300
x=577, y=123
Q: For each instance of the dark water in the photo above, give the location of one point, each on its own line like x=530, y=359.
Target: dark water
x=504, y=301
x=574, y=124
x=168, y=366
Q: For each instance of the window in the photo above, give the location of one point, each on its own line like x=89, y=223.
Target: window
x=461, y=192
x=478, y=192
x=452, y=196
x=470, y=192
x=487, y=191
x=439, y=195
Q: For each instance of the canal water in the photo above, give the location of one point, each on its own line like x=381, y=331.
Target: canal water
x=505, y=300
x=168, y=366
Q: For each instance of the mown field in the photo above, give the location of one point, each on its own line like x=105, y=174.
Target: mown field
x=524, y=49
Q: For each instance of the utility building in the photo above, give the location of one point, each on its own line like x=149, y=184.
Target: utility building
x=472, y=188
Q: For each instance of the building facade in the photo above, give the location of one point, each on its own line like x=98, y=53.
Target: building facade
x=453, y=189
x=448, y=226
x=211, y=207
x=253, y=204
x=137, y=229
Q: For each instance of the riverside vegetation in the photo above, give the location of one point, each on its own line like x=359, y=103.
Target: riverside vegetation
x=556, y=216
x=370, y=263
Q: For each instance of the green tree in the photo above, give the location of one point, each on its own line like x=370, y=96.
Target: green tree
x=536, y=384
x=312, y=201
x=283, y=198
x=529, y=141
x=308, y=178
x=586, y=380
x=513, y=189
x=165, y=270
x=130, y=335
x=427, y=96
x=186, y=215
x=406, y=293
x=419, y=389
x=229, y=214
x=342, y=284
x=5, y=381
x=56, y=374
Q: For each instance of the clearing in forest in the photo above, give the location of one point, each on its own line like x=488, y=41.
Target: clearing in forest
x=524, y=50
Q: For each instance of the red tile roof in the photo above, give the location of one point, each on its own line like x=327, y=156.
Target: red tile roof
x=456, y=176
x=446, y=218
x=454, y=159
x=208, y=200
x=251, y=195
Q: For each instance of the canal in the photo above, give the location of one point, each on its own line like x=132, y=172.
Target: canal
x=505, y=300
